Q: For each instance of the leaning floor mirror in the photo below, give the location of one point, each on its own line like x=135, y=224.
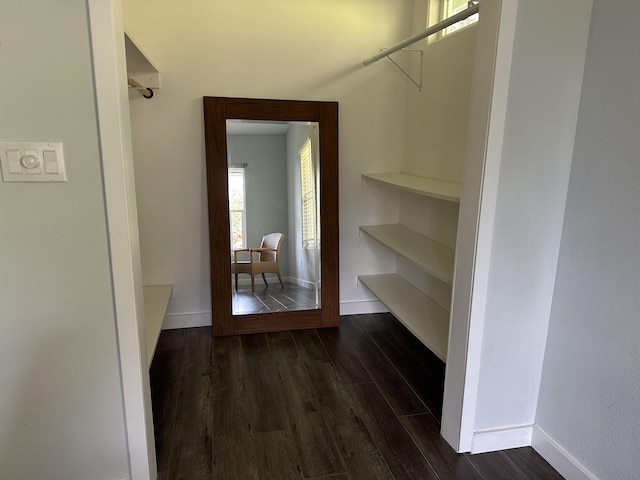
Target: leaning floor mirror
x=272, y=187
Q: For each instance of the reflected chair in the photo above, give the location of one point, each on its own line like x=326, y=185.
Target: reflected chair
x=265, y=259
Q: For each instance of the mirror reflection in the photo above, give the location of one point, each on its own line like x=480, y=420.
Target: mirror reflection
x=274, y=212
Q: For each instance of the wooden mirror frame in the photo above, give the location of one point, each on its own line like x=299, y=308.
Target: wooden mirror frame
x=217, y=110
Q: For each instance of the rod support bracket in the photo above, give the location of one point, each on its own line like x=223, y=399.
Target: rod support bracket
x=418, y=82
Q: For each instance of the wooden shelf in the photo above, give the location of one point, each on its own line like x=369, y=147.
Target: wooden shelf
x=429, y=255
x=156, y=300
x=419, y=185
x=425, y=318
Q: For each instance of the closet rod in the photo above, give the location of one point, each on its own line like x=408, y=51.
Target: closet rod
x=425, y=33
x=146, y=92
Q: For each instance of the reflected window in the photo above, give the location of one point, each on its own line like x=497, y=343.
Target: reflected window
x=308, y=193
x=237, y=206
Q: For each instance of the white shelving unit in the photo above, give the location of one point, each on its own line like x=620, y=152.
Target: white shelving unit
x=156, y=301
x=139, y=67
x=429, y=255
x=428, y=187
x=427, y=319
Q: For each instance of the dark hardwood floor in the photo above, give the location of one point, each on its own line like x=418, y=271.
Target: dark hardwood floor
x=273, y=298
x=361, y=402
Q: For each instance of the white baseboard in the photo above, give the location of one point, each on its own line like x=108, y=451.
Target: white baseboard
x=362, y=306
x=501, y=438
x=558, y=457
x=300, y=282
x=186, y=320
x=203, y=319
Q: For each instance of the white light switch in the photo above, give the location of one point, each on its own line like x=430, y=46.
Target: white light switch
x=32, y=162
x=13, y=159
x=50, y=162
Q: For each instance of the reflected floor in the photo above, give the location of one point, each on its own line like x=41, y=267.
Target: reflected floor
x=273, y=298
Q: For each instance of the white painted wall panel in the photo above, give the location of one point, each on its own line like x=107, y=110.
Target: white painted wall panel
x=590, y=381
x=285, y=49
x=61, y=410
x=544, y=92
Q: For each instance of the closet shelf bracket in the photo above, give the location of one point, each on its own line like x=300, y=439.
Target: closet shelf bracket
x=418, y=82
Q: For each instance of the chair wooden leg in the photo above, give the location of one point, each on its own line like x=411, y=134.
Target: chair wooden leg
x=264, y=279
x=280, y=278
x=236, y=282
x=252, y=283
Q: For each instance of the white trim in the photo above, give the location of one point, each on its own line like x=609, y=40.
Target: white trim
x=186, y=320
x=300, y=282
x=558, y=457
x=487, y=116
x=203, y=319
x=107, y=44
x=495, y=439
x=357, y=307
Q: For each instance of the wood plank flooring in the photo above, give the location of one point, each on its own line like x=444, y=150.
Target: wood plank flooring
x=361, y=402
x=273, y=298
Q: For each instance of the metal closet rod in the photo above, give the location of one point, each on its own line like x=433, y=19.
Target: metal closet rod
x=146, y=92
x=425, y=33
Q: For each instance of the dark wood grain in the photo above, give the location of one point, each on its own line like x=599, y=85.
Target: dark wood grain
x=428, y=383
x=233, y=449
x=276, y=456
x=360, y=455
x=313, y=443
x=395, y=389
x=532, y=464
x=266, y=411
x=424, y=430
x=329, y=212
x=341, y=352
x=277, y=321
x=309, y=345
x=166, y=367
x=386, y=322
x=218, y=211
x=321, y=425
x=342, y=476
x=398, y=449
x=191, y=452
x=228, y=371
x=496, y=466
x=274, y=298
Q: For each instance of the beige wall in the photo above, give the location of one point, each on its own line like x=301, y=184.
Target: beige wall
x=285, y=49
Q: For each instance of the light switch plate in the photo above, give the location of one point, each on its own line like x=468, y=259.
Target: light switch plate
x=32, y=162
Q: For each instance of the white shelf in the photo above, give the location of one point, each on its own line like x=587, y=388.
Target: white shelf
x=429, y=255
x=139, y=67
x=156, y=300
x=419, y=185
x=425, y=318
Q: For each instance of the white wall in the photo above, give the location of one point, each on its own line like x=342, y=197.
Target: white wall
x=61, y=410
x=437, y=117
x=435, y=144
x=303, y=262
x=590, y=381
x=266, y=187
x=285, y=49
x=546, y=75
